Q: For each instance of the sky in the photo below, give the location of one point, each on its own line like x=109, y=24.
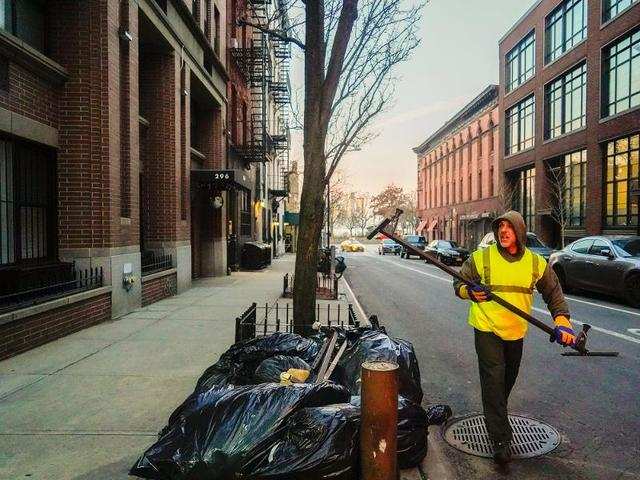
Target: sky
x=457, y=59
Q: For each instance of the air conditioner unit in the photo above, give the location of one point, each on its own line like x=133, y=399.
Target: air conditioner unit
x=234, y=42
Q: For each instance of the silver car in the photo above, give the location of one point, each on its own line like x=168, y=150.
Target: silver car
x=603, y=264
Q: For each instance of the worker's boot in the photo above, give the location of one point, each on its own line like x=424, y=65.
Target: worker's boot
x=502, y=453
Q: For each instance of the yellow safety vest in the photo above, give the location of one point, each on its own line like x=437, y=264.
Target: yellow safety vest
x=512, y=281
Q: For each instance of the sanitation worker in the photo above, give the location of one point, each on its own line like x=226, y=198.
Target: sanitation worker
x=510, y=270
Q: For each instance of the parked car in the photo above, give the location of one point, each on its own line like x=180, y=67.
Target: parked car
x=448, y=252
x=388, y=246
x=356, y=247
x=533, y=243
x=417, y=241
x=603, y=264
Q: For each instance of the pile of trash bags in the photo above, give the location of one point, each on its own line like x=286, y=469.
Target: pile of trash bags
x=241, y=421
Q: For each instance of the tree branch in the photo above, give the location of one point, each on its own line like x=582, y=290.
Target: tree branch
x=274, y=33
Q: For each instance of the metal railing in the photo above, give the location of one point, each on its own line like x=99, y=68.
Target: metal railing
x=52, y=288
x=327, y=286
x=155, y=262
x=257, y=321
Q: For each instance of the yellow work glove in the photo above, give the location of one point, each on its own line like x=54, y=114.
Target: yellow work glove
x=563, y=333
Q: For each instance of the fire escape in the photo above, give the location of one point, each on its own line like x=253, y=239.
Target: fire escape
x=279, y=89
x=254, y=62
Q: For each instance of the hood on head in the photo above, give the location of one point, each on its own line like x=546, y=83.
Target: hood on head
x=519, y=227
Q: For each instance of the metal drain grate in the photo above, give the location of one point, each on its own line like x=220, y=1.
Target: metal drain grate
x=531, y=438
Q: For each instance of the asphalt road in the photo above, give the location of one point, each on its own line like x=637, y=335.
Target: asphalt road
x=594, y=402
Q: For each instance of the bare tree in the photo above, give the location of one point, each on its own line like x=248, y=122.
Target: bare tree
x=508, y=195
x=346, y=87
x=410, y=216
x=362, y=212
x=557, y=203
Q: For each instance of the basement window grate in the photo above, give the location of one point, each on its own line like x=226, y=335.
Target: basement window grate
x=531, y=438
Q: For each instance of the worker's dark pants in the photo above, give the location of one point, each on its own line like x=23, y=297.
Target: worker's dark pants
x=499, y=361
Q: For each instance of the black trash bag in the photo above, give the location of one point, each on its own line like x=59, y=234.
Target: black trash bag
x=317, y=443
x=369, y=345
x=438, y=414
x=238, y=364
x=271, y=368
x=413, y=430
x=225, y=433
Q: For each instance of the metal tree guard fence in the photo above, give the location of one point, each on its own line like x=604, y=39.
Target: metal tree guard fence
x=50, y=287
x=258, y=321
x=327, y=288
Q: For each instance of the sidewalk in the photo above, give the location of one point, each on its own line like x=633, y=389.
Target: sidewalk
x=87, y=405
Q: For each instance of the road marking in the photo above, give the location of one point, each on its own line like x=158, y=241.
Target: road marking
x=635, y=331
x=355, y=300
x=603, y=306
x=599, y=329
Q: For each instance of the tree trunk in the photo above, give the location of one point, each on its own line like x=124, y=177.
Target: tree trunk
x=312, y=196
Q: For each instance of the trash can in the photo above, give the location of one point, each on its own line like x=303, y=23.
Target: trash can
x=256, y=255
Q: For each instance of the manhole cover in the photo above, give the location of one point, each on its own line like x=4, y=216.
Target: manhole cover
x=530, y=437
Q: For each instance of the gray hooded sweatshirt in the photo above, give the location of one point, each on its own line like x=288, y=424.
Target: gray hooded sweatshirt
x=548, y=285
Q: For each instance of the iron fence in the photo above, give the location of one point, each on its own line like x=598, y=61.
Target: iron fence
x=49, y=288
x=327, y=286
x=152, y=262
x=257, y=321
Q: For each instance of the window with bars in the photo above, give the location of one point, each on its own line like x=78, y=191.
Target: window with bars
x=566, y=103
x=25, y=19
x=621, y=163
x=520, y=131
x=520, y=62
x=27, y=203
x=525, y=200
x=612, y=8
x=565, y=27
x=621, y=74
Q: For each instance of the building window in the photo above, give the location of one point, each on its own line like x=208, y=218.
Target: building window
x=491, y=181
x=245, y=213
x=565, y=27
x=566, y=103
x=520, y=62
x=469, y=188
x=611, y=8
x=621, y=75
x=479, y=184
x=526, y=197
x=24, y=19
x=216, y=33
x=27, y=204
x=621, y=172
x=520, y=126
x=568, y=184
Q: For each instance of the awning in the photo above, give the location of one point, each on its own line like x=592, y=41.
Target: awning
x=220, y=179
x=421, y=226
x=292, y=218
x=432, y=225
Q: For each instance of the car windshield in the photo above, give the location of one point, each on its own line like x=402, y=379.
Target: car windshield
x=627, y=247
x=534, y=242
x=388, y=242
x=448, y=244
x=414, y=238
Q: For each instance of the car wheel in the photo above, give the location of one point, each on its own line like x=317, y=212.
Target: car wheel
x=632, y=290
x=562, y=279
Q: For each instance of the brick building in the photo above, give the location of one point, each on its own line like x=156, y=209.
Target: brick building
x=458, y=175
x=258, y=133
x=570, y=116
x=110, y=112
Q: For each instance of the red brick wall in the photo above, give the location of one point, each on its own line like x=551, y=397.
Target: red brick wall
x=30, y=332
x=31, y=96
x=158, y=288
